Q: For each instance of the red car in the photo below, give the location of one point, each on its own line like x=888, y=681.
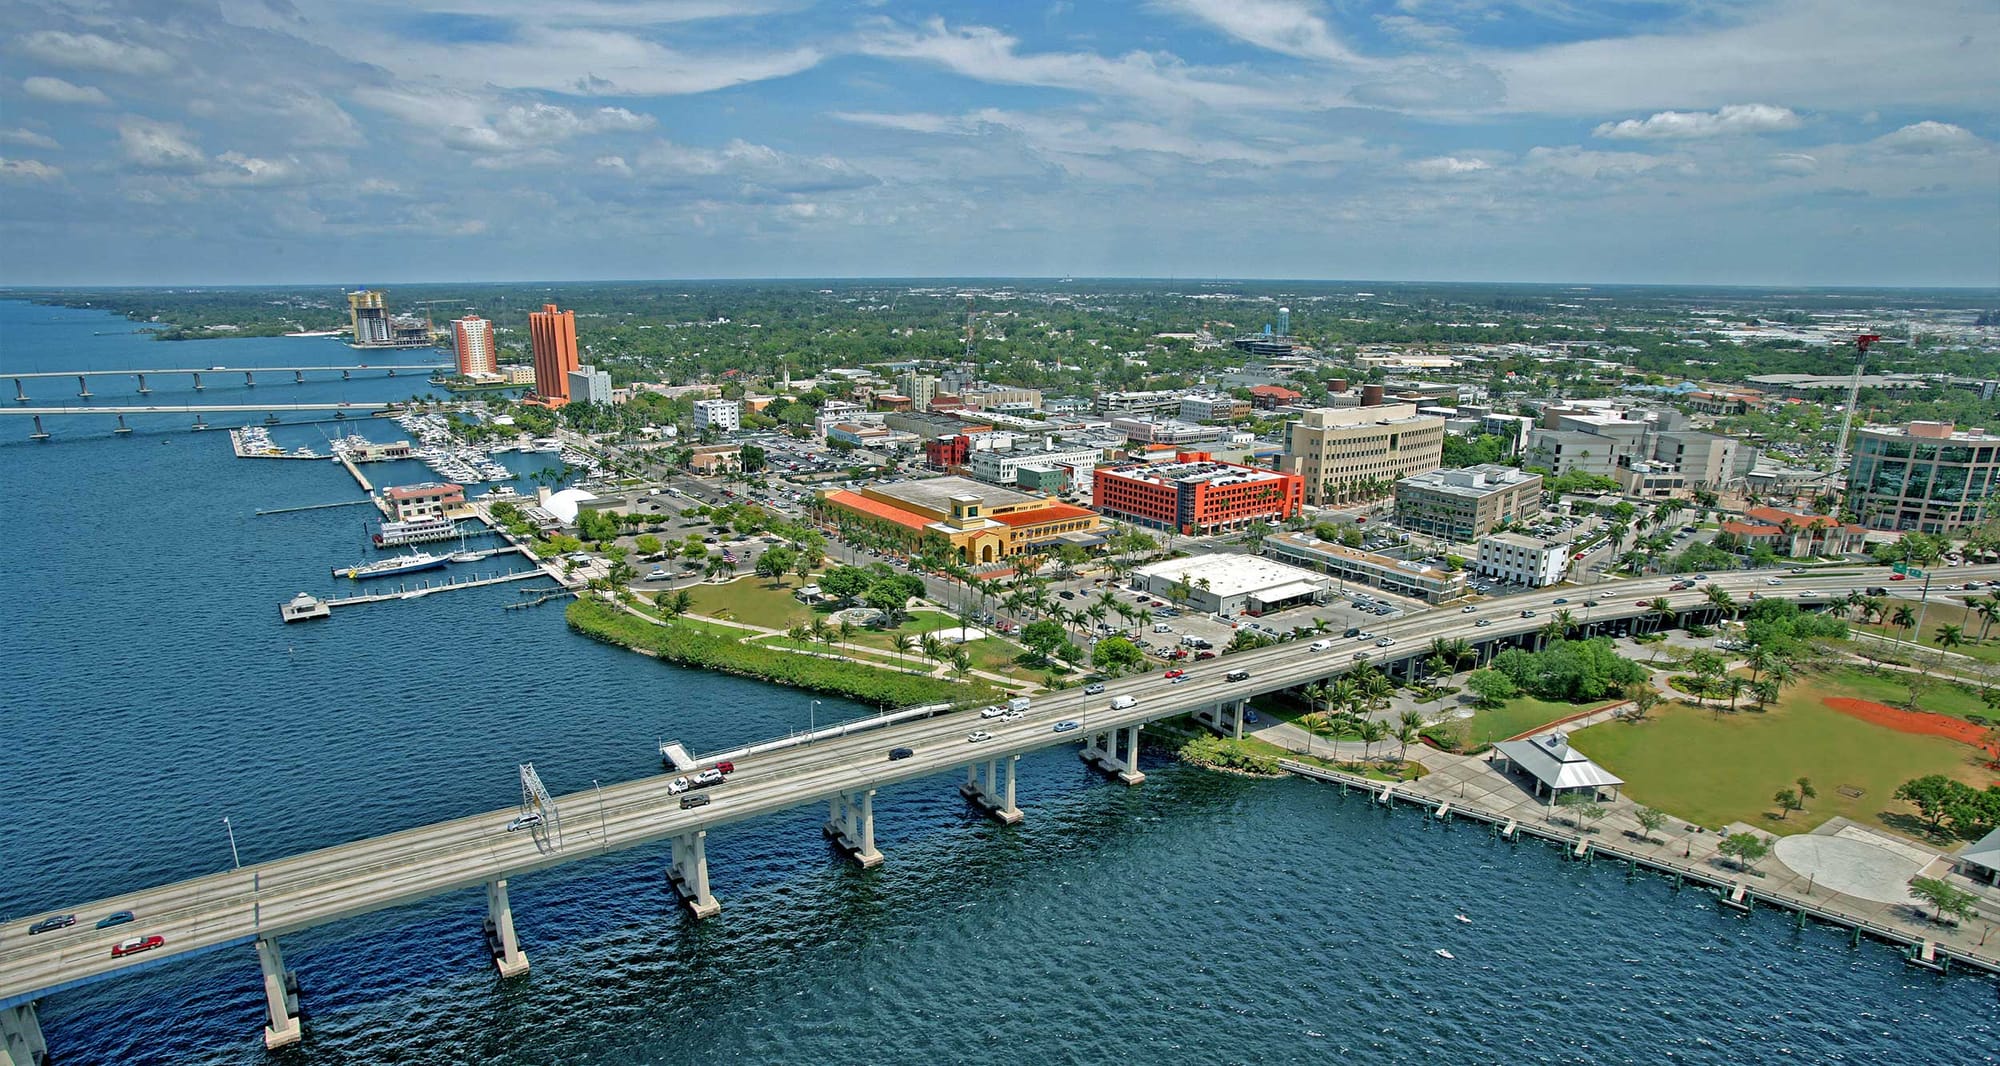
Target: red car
x=726, y=766
x=1642, y=603
x=1171, y=674
x=136, y=945
x=1897, y=577
x=1200, y=655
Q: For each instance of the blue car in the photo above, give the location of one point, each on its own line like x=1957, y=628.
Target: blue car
x=1064, y=727
x=114, y=918
x=1250, y=716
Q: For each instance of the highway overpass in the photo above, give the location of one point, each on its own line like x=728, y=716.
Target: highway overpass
x=256, y=905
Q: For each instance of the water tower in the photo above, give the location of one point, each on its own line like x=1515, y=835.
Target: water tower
x=1284, y=321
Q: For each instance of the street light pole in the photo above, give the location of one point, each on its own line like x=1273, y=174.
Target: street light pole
x=233, y=857
x=812, y=721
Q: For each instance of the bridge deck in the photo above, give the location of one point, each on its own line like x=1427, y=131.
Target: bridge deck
x=317, y=887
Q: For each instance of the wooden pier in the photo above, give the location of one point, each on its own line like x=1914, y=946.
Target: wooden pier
x=404, y=592
x=1732, y=891
x=314, y=507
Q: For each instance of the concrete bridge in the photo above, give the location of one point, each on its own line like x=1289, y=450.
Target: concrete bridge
x=253, y=907
x=249, y=375
x=340, y=410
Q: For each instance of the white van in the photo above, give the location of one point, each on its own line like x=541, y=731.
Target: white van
x=1162, y=627
x=1119, y=703
x=1319, y=645
x=1018, y=703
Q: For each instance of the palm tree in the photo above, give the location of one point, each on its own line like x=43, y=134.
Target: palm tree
x=1344, y=693
x=1408, y=727
x=1565, y=621
x=1720, y=599
x=1947, y=638
x=905, y=644
x=1377, y=688
x=1904, y=618
x=930, y=646
x=1988, y=611
x=1661, y=610
x=1316, y=696
x=1372, y=733
x=719, y=567
x=1764, y=692
x=961, y=663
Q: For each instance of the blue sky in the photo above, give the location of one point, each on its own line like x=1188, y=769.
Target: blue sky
x=1757, y=142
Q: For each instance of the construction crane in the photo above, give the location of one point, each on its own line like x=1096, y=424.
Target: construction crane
x=1861, y=346
x=429, y=326
x=971, y=340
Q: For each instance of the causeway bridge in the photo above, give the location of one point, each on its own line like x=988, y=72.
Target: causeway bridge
x=269, y=410
x=255, y=906
x=249, y=373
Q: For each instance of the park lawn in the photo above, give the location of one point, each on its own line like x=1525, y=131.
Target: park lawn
x=1891, y=687
x=1944, y=613
x=753, y=600
x=1713, y=769
x=916, y=625
x=996, y=656
x=1518, y=716
x=912, y=664
x=715, y=629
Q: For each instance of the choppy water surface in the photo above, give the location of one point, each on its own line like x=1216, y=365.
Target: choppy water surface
x=1197, y=918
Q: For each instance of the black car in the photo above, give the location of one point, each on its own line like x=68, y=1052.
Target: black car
x=50, y=925
x=1352, y=631
x=899, y=753
x=115, y=918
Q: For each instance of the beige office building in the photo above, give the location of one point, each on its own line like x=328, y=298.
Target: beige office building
x=1466, y=504
x=1344, y=452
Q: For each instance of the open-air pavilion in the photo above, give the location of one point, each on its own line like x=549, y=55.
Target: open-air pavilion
x=1982, y=858
x=1556, y=767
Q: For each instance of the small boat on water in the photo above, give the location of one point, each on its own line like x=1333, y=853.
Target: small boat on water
x=1463, y=918
x=1443, y=954
x=392, y=566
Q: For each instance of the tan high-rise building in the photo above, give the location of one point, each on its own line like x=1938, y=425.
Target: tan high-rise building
x=474, y=339
x=369, y=318
x=553, y=334
x=1353, y=453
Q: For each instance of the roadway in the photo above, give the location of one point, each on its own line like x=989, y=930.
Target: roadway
x=285, y=895
x=138, y=371
x=199, y=408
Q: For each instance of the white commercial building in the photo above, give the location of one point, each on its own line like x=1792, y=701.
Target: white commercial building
x=589, y=384
x=1231, y=584
x=724, y=416
x=1002, y=467
x=1522, y=560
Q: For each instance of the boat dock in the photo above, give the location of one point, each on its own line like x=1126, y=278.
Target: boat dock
x=314, y=507
x=241, y=442
x=1934, y=948
x=407, y=592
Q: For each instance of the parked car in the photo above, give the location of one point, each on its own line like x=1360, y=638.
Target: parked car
x=900, y=753
x=136, y=945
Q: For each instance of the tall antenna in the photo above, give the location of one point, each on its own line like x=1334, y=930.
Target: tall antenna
x=1861, y=344
x=535, y=798
x=971, y=341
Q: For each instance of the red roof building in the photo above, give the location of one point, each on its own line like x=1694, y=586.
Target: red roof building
x=1196, y=495
x=1271, y=397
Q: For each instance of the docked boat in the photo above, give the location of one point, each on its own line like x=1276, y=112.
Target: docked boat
x=392, y=566
x=416, y=531
x=465, y=557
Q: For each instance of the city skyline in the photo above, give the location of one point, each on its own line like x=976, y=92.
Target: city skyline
x=1764, y=143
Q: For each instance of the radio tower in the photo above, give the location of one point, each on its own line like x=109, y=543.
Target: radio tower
x=1861, y=344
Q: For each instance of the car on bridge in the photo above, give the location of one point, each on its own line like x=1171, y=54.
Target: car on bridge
x=978, y=736
x=1171, y=674
x=1093, y=688
x=50, y=925
x=993, y=711
x=900, y=753
x=1064, y=727
x=524, y=821
x=136, y=945
x=708, y=778
x=678, y=785
x=115, y=918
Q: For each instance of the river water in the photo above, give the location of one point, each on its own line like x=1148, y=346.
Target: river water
x=151, y=691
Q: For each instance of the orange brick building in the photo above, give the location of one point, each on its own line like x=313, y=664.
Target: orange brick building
x=1196, y=495
x=553, y=334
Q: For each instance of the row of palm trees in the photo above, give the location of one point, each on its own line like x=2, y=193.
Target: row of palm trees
x=1341, y=707
x=933, y=650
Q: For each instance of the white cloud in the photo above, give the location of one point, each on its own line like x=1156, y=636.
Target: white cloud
x=614, y=163
x=1722, y=122
x=152, y=145
x=572, y=61
x=28, y=170
x=743, y=170
x=475, y=124
x=1929, y=138
x=1818, y=54
x=1797, y=163
x=237, y=169
x=1448, y=166
x=986, y=54
x=58, y=91
x=27, y=137
x=1288, y=27
x=88, y=51
x=1572, y=161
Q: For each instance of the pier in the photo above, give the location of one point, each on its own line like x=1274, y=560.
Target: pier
x=1732, y=887
x=314, y=507
x=404, y=592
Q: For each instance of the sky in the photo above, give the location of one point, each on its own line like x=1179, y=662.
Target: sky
x=1747, y=142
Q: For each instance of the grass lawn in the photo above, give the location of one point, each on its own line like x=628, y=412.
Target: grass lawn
x=916, y=625
x=1892, y=687
x=1944, y=612
x=1518, y=716
x=752, y=600
x=914, y=664
x=715, y=629
x=1714, y=769
x=996, y=656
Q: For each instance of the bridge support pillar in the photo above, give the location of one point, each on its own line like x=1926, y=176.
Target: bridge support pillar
x=851, y=827
x=347, y=375
x=82, y=387
x=122, y=427
x=20, y=394
x=143, y=390
x=992, y=795
x=298, y=377
x=690, y=873
x=500, y=938
x=39, y=433
x=21, y=1042
x=281, y=995
x=249, y=380
x=1226, y=718
x=1108, y=758
x=197, y=383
